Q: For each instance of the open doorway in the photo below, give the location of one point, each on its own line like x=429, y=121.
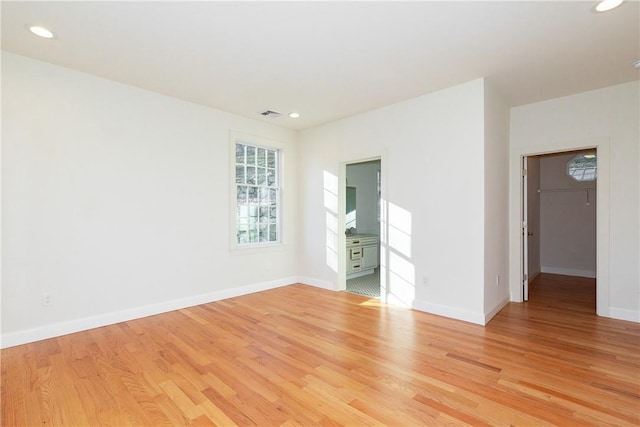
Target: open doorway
x=559, y=224
x=603, y=233
x=362, y=227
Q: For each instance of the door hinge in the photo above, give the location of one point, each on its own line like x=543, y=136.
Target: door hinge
x=524, y=172
x=525, y=277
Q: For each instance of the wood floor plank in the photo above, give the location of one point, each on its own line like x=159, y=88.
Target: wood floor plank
x=215, y=414
x=301, y=356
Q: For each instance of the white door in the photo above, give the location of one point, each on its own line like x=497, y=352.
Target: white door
x=525, y=233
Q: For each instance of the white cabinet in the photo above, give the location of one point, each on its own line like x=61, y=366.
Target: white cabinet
x=362, y=254
x=369, y=257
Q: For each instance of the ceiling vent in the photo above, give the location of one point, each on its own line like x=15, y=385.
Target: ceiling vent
x=271, y=113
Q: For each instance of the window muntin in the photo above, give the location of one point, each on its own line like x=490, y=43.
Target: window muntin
x=583, y=167
x=257, y=179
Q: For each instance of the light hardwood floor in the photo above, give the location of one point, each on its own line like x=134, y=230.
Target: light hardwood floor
x=299, y=355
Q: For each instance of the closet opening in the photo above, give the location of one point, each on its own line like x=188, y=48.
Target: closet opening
x=559, y=227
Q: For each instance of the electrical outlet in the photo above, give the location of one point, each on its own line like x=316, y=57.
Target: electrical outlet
x=46, y=299
x=425, y=281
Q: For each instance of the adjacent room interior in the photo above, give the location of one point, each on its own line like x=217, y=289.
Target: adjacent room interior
x=561, y=221
x=362, y=227
x=320, y=213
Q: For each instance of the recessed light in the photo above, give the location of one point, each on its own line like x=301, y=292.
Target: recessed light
x=636, y=64
x=41, y=32
x=606, y=5
x=589, y=156
x=294, y=115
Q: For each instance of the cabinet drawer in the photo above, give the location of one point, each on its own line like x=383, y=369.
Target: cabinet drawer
x=361, y=241
x=353, y=242
x=355, y=266
x=355, y=253
x=366, y=241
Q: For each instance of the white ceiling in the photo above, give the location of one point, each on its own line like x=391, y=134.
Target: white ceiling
x=329, y=60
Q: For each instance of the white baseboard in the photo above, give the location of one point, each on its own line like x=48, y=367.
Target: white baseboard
x=489, y=315
x=568, y=271
x=451, y=312
x=83, y=324
x=624, y=314
x=532, y=276
x=317, y=283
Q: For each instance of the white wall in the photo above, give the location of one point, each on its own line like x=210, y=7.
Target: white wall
x=608, y=118
x=567, y=222
x=432, y=150
x=115, y=201
x=496, y=202
x=363, y=176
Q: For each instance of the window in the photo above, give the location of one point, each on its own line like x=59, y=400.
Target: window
x=583, y=167
x=257, y=194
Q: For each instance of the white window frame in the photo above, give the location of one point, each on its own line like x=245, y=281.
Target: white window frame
x=581, y=177
x=255, y=141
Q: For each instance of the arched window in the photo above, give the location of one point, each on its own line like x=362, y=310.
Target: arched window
x=583, y=167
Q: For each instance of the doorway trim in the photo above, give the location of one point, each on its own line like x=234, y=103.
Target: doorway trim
x=602, y=215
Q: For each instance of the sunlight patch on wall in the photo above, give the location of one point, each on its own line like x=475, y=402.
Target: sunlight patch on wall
x=331, y=192
x=399, y=233
x=402, y=273
x=330, y=182
x=397, y=273
x=332, y=241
